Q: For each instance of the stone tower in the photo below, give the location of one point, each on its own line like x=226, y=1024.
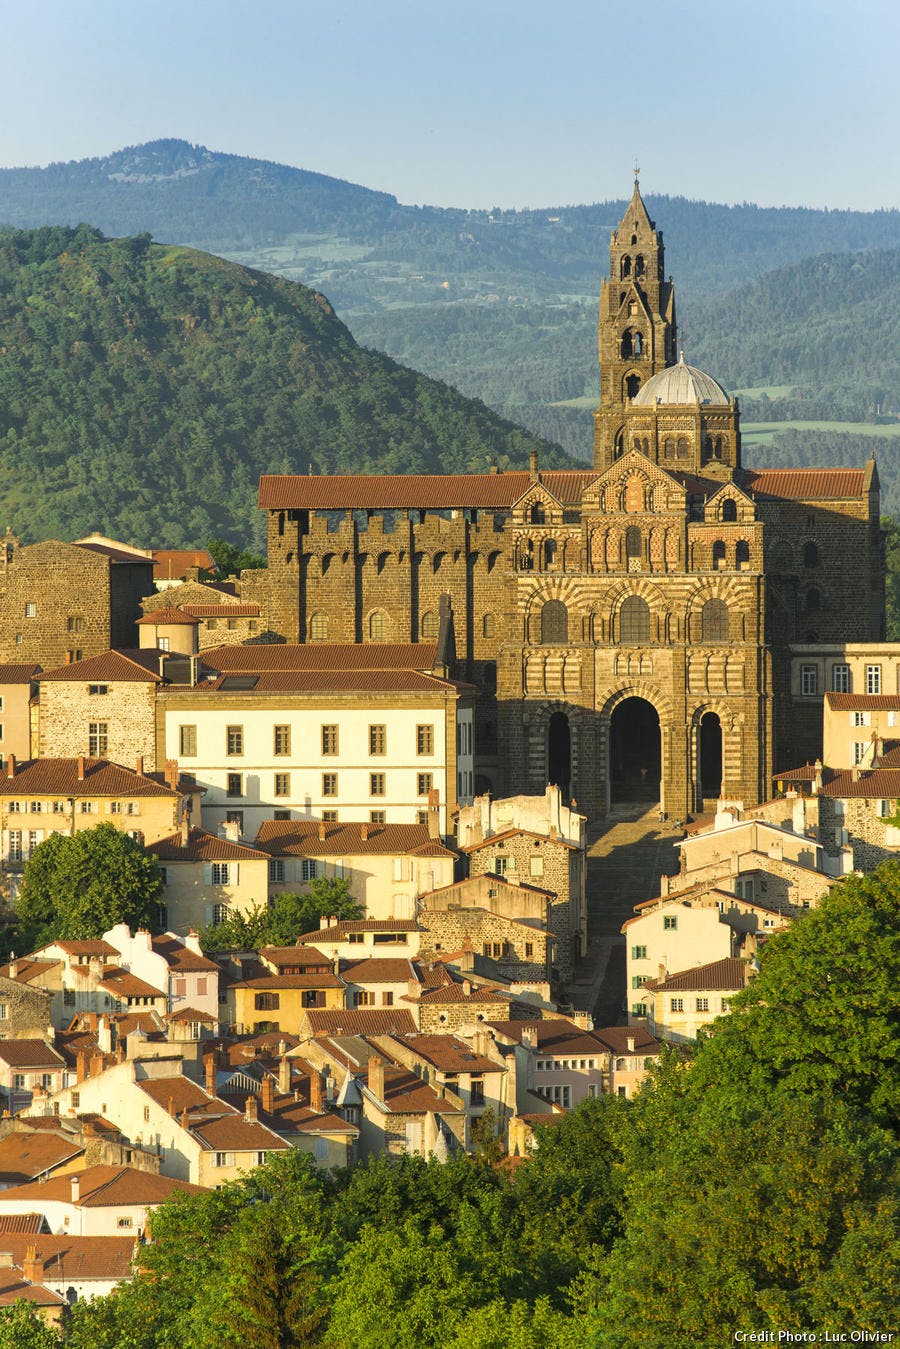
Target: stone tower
x=636, y=332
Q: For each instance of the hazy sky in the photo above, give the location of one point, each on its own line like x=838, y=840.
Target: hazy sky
x=478, y=103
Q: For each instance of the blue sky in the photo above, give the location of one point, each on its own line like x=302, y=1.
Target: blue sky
x=478, y=104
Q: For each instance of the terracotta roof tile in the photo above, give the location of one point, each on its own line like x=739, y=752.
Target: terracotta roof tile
x=116, y=554
x=330, y=681
x=25, y=1155
x=448, y=993
x=871, y=784
x=361, y=1021
x=181, y=957
x=322, y=979
x=168, y=616
x=29, y=1054
x=284, y=656
x=301, y=838
x=616, y=1039
x=127, y=985
x=378, y=970
x=517, y=833
x=806, y=484
x=307, y=956
x=231, y=1132
x=132, y=666
x=59, y=777
x=555, y=1035
x=861, y=702
x=18, y=674
x=75, y=1257
x=726, y=976
x=448, y=1053
x=406, y=1094
x=28, y=1223
x=104, y=1187
x=414, y=491
x=14, y=1288
x=171, y=563
x=202, y=847
x=339, y=931
x=220, y=610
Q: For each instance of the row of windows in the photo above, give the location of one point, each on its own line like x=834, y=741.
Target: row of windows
x=59, y=807
x=74, y=623
x=234, y=785
x=634, y=622
x=281, y=740
x=700, y=1004
x=840, y=679
x=555, y=1065
x=504, y=865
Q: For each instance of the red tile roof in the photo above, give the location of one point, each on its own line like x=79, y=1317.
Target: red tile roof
x=18, y=674
x=181, y=957
x=378, y=970
x=329, y=681
x=360, y=1021
x=616, y=1039
x=861, y=702
x=339, y=931
x=132, y=666
x=124, y=984
x=415, y=491
x=59, y=777
x=518, y=833
x=29, y=1054
x=321, y=979
x=553, y=1036
x=25, y=1155
x=726, y=976
x=168, y=617
x=29, y=1223
x=301, y=838
x=871, y=784
x=103, y=1187
x=202, y=847
x=246, y=657
x=456, y=993
x=96, y=947
x=806, y=484
x=73, y=1258
x=220, y=610
x=172, y=563
x=447, y=1053
x=27, y=970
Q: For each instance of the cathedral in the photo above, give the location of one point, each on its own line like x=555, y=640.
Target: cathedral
x=628, y=626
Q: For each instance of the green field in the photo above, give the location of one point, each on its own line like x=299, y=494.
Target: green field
x=761, y=433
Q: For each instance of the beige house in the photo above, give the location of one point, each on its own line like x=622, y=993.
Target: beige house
x=680, y=1004
x=207, y=878
x=361, y=937
x=101, y=1201
x=387, y=866
x=820, y=669
x=18, y=687
x=857, y=728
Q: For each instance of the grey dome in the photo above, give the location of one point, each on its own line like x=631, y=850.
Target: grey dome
x=680, y=384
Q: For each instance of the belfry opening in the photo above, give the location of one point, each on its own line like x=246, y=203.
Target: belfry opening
x=635, y=759
x=710, y=756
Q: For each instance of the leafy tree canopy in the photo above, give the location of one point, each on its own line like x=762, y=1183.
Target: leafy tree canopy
x=76, y=887
x=282, y=921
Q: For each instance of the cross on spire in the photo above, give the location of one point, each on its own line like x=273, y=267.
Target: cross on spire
x=637, y=169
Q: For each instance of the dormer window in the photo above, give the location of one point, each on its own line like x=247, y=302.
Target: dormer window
x=537, y=515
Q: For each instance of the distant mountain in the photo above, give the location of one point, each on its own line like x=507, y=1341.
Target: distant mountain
x=143, y=389
x=369, y=252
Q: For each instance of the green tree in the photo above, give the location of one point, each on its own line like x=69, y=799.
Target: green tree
x=78, y=886
x=21, y=1327
x=231, y=560
x=282, y=922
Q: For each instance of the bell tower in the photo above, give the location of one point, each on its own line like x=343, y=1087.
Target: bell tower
x=636, y=332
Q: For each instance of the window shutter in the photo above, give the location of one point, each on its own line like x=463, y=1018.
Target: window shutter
x=207, y=874
x=234, y=873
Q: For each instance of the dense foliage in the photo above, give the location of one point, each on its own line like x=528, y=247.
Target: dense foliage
x=283, y=919
x=752, y=1185
x=140, y=383
x=76, y=887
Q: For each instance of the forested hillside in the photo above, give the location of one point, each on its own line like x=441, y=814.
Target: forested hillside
x=143, y=389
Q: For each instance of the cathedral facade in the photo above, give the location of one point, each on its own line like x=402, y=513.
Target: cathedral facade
x=628, y=625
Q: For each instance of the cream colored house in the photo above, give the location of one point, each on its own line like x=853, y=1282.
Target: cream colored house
x=208, y=877
x=387, y=866
x=18, y=686
x=101, y=1201
x=858, y=727
x=340, y=732
x=680, y=1004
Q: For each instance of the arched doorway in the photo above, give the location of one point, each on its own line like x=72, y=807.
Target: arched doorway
x=710, y=756
x=559, y=751
x=635, y=760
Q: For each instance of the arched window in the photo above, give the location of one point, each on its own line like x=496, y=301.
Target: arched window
x=718, y=449
x=718, y=555
x=669, y=448
x=729, y=509
x=813, y=600
x=554, y=623
x=714, y=621
x=742, y=553
x=639, y=265
x=488, y=626
x=638, y=344
x=810, y=555
x=318, y=628
x=549, y=550
x=683, y=447
x=627, y=347
x=634, y=621
x=429, y=625
x=633, y=546
x=632, y=384
x=377, y=626
x=625, y=266
x=537, y=515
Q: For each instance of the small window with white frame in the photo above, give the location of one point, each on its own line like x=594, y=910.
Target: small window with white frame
x=809, y=681
x=873, y=679
x=859, y=751
x=860, y=718
x=840, y=678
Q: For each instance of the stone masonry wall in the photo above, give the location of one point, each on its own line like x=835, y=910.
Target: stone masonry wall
x=127, y=710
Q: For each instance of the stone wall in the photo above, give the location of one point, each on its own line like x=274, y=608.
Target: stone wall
x=128, y=709
x=519, y=952
x=24, y=1011
x=547, y=863
x=872, y=839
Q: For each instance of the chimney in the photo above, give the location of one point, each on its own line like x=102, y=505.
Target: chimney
x=375, y=1076
x=661, y=971
x=529, y=1036
x=171, y=1106
x=172, y=773
x=13, y=967
x=185, y=831
x=533, y=463
x=321, y=831
x=192, y=943
x=284, y=1076
x=96, y=1067
x=434, y=814
x=817, y=778
x=209, y=1065
x=75, y=1189
x=629, y=1043
x=324, y=922
x=467, y=988
x=251, y=1109
x=81, y=768
x=268, y=1093
x=185, y=1119
x=33, y=1266
x=81, y=1066
x=104, y=1035
x=364, y=832
x=317, y=1090
x=139, y=765
x=10, y=765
